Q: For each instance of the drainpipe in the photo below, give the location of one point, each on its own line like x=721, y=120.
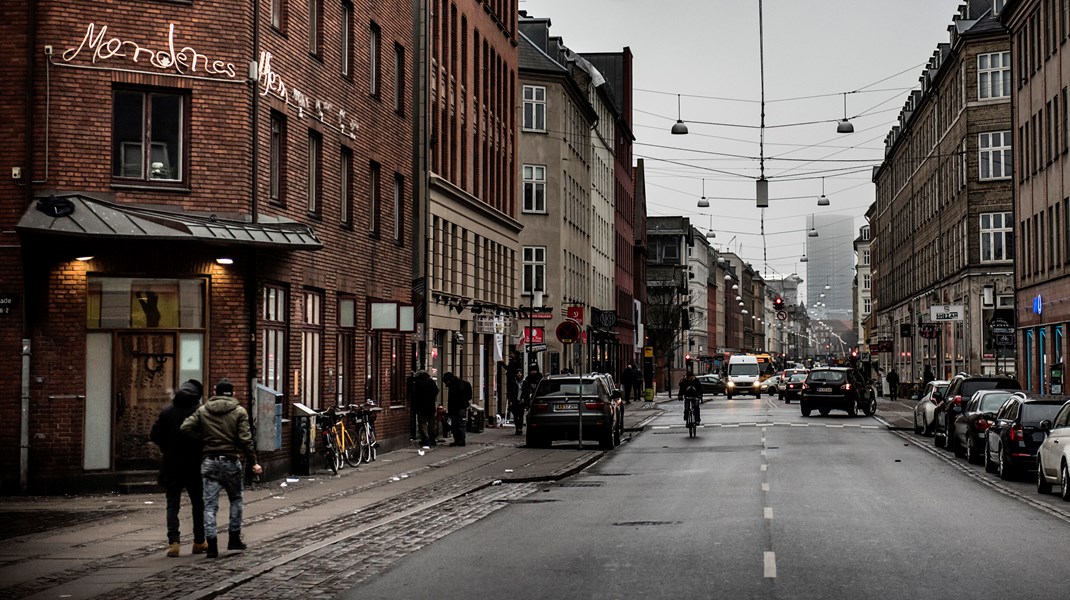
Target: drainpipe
x=24, y=419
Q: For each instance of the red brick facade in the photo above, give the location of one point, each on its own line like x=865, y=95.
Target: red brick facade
x=64, y=143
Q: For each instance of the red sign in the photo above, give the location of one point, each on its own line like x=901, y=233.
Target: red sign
x=575, y=313
x=568, y=332
x=536, y=336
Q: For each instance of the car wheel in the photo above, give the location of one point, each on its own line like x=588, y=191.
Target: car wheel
x=781, y=397
x=972, y=454
x=990, y=466
x=824, y=412
x=605, y=442
x=1004, y=469
x=805, y=410
x=852, y=409
x=928, y=430
x=1043, y=487
x=956, y=447
x=917, y=428
x=870, y=408
x=1065, y=476
x=939, y=439
x=729, y=395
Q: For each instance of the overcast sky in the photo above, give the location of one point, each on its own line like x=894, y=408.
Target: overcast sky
x=708, y=52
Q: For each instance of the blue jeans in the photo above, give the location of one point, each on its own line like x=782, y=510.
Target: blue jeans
x=174, y=500
x=222, y=474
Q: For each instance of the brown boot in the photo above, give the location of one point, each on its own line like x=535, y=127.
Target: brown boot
x=172, y=549
x=200, y=547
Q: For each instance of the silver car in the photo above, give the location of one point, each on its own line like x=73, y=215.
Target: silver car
x=925, y=409
x=1053, y=458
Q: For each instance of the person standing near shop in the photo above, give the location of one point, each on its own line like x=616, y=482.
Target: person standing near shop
x=222, y=426
x=180, y=467
x=460, y=395
x=425, y=394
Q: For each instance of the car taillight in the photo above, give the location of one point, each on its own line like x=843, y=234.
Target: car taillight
x=594, y=404
x=957, y=401
x=804, y=387
x=982, y=425
x=1016, y=434
x=539, y=406
x=846, y=387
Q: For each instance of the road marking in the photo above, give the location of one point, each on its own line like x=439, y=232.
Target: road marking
x=763, y=440
x=763, y=453
x=765, y=487
x=770, y=565
x=800, y=424
x=768, y=512
x=765, y=468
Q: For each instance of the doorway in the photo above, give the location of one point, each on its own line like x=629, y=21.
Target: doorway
x=145, y=377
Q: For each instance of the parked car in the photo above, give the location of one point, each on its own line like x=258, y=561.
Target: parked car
x=967, y=437
x=555, y=411
x=836, y=388
x=925, y=409
x=959, y=391
x=1053, y=457
x=793, y=388
x=711, y=383
x=1012, y=440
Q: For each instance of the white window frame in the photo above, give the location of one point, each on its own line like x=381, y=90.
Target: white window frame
x=534, y=108
x=534, y=189
x=865, y=256
x=994, y=155
x=995, y=237
x=994, y=75
x=866, y=281
x=867, y=305
x=534, y=268
x=312, y=349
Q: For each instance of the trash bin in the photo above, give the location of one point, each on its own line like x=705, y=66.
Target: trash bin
x=301, y=448
x=477, y=419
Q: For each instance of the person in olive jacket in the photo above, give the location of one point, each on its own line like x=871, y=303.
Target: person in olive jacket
x=222, y=426
x=180, y=468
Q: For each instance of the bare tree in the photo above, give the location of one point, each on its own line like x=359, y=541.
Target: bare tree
x=667, y=315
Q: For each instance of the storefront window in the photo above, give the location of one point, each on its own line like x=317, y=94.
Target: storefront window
x=136, y=303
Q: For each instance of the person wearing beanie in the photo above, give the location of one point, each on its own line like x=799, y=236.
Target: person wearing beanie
x=222, y=426
x=180, y=467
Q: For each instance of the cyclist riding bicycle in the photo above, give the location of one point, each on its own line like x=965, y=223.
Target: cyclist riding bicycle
x=691, y=391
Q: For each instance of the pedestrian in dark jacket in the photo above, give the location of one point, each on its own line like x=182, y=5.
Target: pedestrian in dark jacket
x=460, y=396
x=180, y=467
x=691, y=388
x=627, y=381
x=222, y=425
x=527, y=394
x=425, y=395
x=927, y=376
x=893, y=383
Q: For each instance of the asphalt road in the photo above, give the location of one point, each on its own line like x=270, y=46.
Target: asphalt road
x=764, y=503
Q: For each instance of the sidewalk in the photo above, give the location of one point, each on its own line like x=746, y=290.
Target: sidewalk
x=87, y=546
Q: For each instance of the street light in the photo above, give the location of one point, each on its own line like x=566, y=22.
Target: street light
x=703, y=202
x=844, y=126
x=680, y=128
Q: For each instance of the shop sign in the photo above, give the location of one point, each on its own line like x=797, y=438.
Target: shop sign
x=947, y=312
x=8, y=302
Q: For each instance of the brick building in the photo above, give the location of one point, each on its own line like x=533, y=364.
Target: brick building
x=942, y=232
x=1041, y=67
x=205, y=189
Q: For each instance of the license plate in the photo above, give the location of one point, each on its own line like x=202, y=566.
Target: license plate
x=824, y=390
x=566, y=406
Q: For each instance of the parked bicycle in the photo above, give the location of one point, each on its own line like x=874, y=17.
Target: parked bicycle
x=331, y=452
x=365, y=414
x=340, y=445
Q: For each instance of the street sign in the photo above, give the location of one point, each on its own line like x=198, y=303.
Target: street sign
x=782, y=315
x=1002, y=322
x=947, y=312
x=568, y=332
x=537, y=347
x=1005, y=340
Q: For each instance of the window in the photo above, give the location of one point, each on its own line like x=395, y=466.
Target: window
x=534, y=269
x=399, y=208
x=147, y=136
x=995, y=155
x=273, y=323
x=277, y=177
x=311, y=350
x=997, y=237
x=345, y=191
x=534, y=108
x=867, y=305
x=994, y=75
x=373, y=49
x=315, y=173
x=346, y=45
x=399, y=79
x=534, y=188
x=315, y=26
x=347, y=321
x=278, y=14
x=865, y=256
x=865, y=281
x=373, y=199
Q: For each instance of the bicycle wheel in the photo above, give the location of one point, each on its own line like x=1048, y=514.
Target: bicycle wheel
x=331, y=454
x=367, y=443
x=350, y=449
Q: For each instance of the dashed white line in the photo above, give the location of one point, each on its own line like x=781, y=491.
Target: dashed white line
x=765, y=487
x=765, y=468
x=770, y=565
x=768, y=512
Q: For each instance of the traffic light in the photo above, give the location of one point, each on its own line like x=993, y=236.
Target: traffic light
x=778, y=303
x=687, y=361
x=854, y=355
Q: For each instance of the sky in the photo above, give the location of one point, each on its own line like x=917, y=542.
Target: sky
x=817, y=53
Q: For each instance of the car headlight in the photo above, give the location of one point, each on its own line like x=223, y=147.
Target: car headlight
x=731, y=384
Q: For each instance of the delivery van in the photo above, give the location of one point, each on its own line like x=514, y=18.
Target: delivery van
x=743, y=376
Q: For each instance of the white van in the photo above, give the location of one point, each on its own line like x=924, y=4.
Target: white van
x=743, y=376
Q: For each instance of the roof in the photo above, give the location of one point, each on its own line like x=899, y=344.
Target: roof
x=84, y=215
x=534, y=58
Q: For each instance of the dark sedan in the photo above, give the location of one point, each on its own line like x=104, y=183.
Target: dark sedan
x=1015, y=435
x=793, y=388
x=561, y=402
x=968, y=438
x=836, y=388
x=711, y=383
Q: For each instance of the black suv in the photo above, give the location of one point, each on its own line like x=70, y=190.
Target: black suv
x=1011, y=443
x=959, y=392
x=561, y=401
